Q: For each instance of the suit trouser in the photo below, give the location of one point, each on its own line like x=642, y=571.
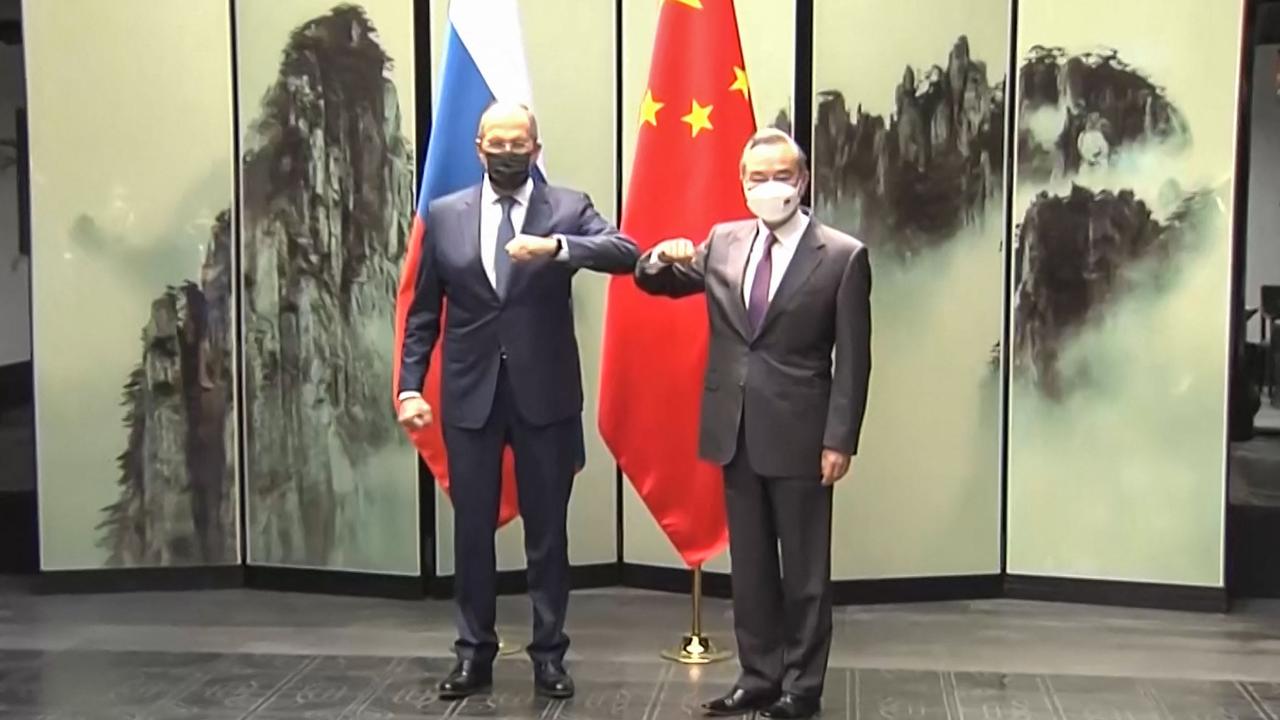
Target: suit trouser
x=794, y=513
x=544, y=458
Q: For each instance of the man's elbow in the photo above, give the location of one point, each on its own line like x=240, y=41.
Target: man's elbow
x=651, y=282
x=627, y=255
x=645, y=281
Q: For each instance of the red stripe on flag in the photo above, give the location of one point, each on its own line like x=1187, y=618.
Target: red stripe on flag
x=430, y=440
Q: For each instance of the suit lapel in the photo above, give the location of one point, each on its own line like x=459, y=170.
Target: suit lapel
x=736, y=261
x=471, y=233
x=805, y=260
x=537, y=217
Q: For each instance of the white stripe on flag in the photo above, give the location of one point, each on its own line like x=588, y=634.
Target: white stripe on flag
x=490, y=31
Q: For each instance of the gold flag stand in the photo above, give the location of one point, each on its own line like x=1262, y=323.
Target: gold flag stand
x=696, y=648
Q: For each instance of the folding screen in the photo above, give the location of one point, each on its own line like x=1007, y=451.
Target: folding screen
x=131, y=203
x=908, y=156
x=1122, y=251
x=326, y=101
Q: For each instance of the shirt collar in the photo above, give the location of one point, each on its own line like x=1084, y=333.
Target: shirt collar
x=489, y=197
x=789, y=233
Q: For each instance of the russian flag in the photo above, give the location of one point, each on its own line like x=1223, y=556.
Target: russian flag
x=484, y=61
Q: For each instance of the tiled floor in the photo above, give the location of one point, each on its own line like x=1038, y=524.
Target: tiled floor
x=89, y=685
x=224, y=655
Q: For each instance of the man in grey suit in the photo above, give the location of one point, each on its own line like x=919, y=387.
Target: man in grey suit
x=779, y=413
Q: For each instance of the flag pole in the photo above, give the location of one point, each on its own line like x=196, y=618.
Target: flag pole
x=696, y=648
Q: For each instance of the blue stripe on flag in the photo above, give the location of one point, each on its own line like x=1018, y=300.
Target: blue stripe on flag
x=451, y=163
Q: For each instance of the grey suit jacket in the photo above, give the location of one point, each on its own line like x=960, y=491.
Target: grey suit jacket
x=782, y=381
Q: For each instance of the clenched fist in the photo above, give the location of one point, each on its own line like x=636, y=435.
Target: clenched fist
x=677, y=251
x=415, y=413
x=524, y=248
x=834, y=466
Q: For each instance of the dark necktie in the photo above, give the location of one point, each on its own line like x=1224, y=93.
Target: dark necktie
x=501, y=260
x=758, y=303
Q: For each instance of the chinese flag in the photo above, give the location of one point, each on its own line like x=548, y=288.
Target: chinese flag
x=695, y=118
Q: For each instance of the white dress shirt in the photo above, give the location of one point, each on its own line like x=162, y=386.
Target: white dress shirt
x=788, y=239
x=491, y=218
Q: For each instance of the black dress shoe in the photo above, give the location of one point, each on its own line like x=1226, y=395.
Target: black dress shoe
x=551, y=680
x=793, y=707
x=467, y=679
x=738, y=702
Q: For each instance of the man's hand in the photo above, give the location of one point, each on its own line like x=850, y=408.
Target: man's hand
x=676, y=251
x=834, y=466
x=524, y=248
x=415, y=413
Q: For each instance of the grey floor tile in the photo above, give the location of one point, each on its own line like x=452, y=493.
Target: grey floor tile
x=320, y=696
x=612, y=700
x=355, y=664
x=624, y=672
x=226, y=693
x=267, y=663
x=681, y=700
x=1000, y=696
x=434, y=667
x=506, y=704
x=899, y=695
x=107, y=714
x=9, y=658
x=1103, y=698
x=403, y=697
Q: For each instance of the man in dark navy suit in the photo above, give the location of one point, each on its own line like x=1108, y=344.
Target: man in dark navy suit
x=503, y=254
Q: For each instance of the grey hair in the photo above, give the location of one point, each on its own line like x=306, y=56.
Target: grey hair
x=774, y=136
x=503, y=106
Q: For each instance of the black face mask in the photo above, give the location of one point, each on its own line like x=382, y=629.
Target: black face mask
x=508, y=171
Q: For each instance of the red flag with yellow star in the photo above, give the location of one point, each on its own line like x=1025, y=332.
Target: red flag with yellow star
x=695, y=117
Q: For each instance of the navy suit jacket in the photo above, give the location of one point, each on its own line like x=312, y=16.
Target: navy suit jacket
x=532, y=325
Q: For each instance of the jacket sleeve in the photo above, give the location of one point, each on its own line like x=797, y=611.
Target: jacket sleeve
x=674, y=281
x=597, y=245
x=422, y=327
x=852, y=373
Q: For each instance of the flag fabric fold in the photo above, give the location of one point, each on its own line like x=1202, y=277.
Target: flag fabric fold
x=694, y=119
x=484, y=61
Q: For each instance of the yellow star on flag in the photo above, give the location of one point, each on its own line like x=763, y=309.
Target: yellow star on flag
x=649, y=109
x=696, y=4
x=740, y=83
x=699, y=119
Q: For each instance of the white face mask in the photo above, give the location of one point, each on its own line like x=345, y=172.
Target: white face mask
x=773, y=202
